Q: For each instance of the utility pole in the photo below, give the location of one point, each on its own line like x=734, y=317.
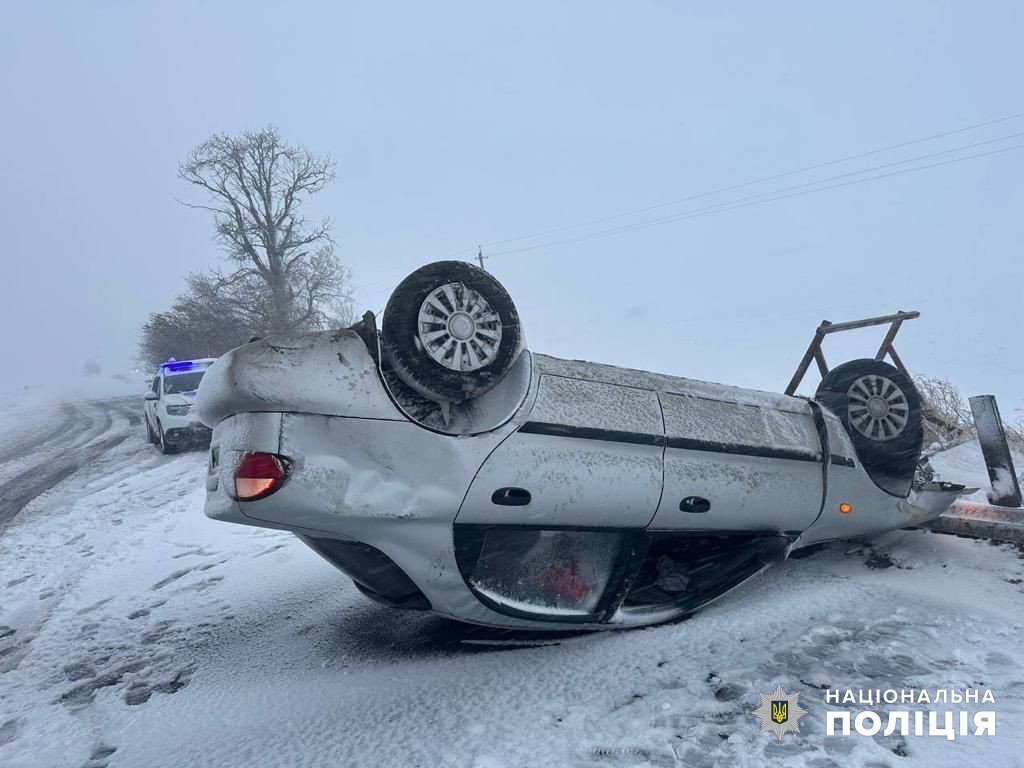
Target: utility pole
x=480, y=257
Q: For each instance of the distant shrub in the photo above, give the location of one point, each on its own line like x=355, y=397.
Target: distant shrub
x=947, y=415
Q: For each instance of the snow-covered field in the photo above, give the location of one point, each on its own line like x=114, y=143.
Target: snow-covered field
x=135, y=632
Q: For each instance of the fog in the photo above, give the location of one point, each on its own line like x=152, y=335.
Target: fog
x=460, y=124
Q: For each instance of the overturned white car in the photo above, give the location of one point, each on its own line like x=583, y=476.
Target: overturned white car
x=443, y=466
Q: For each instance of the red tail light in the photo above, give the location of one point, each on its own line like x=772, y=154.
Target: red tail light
x=258, y=475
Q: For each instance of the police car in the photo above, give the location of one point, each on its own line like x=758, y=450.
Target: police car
x=171, y=420
x=444, y=466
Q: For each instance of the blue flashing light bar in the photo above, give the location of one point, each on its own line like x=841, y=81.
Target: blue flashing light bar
x=184, y=365
x=177, y=366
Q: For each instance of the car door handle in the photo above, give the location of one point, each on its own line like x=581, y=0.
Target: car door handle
x=511, y=497
x=695, y=504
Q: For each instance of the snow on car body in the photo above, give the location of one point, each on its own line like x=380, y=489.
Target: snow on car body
x=169, y=412
x=565, y=494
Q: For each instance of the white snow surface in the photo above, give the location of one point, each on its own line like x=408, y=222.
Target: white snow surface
x=964, y=464
x=136, y=632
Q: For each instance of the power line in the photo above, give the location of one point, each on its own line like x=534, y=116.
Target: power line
x=731, y=203
x=767, y=197
x=740, y=202
x=761, y=180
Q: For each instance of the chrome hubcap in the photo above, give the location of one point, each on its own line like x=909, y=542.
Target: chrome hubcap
x=461, y=326
x=458, y=328
x=877, y=409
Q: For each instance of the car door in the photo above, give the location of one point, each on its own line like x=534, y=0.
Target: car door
x=588, y=454
x=735, y=466
x=149, y=406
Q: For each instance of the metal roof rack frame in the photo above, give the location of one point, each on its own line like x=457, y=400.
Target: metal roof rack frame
x=814, y=348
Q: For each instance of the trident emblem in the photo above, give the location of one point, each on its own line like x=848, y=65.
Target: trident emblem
x=780, y=711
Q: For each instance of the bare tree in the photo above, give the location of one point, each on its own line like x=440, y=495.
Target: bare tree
x=203, y=322
x=285, y=274
x=947, y=417
x=1015, y=433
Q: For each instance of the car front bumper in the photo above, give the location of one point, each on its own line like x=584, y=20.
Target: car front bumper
x=186, y=430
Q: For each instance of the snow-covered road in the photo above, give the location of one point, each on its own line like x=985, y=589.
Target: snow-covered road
x=135, y=632
x=46, y=443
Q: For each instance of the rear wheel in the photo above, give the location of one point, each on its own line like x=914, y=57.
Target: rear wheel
x=150, y=435
x=451, y=331
x=881, y=410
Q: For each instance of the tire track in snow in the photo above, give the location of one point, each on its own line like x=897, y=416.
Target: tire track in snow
x=93, y=425
x=69, y=417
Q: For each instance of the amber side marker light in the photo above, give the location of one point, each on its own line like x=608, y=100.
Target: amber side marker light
x=845, y=508
x=257, y=475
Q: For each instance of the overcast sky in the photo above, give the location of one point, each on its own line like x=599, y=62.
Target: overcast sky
x=458, y=124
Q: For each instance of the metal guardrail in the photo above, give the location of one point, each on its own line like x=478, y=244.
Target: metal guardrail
x=985, y=521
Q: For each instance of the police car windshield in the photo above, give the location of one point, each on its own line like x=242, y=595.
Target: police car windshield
x=182, y=382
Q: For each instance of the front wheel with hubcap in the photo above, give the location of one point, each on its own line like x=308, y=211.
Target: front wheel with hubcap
x=881, y=411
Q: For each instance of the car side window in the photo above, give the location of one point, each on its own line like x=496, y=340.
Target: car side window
x=156, y=385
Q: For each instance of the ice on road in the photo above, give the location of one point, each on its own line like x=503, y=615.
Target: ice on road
x=135, y=632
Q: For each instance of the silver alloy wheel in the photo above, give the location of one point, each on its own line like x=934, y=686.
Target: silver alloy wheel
x=877, y=408
x=458, y=328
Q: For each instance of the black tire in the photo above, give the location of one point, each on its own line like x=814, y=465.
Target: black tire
x=166, y=446
x=881, y=411
x=150, y=436
x=417, y=365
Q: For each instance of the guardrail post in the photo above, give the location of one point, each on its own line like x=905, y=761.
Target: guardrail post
x=994, y=447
